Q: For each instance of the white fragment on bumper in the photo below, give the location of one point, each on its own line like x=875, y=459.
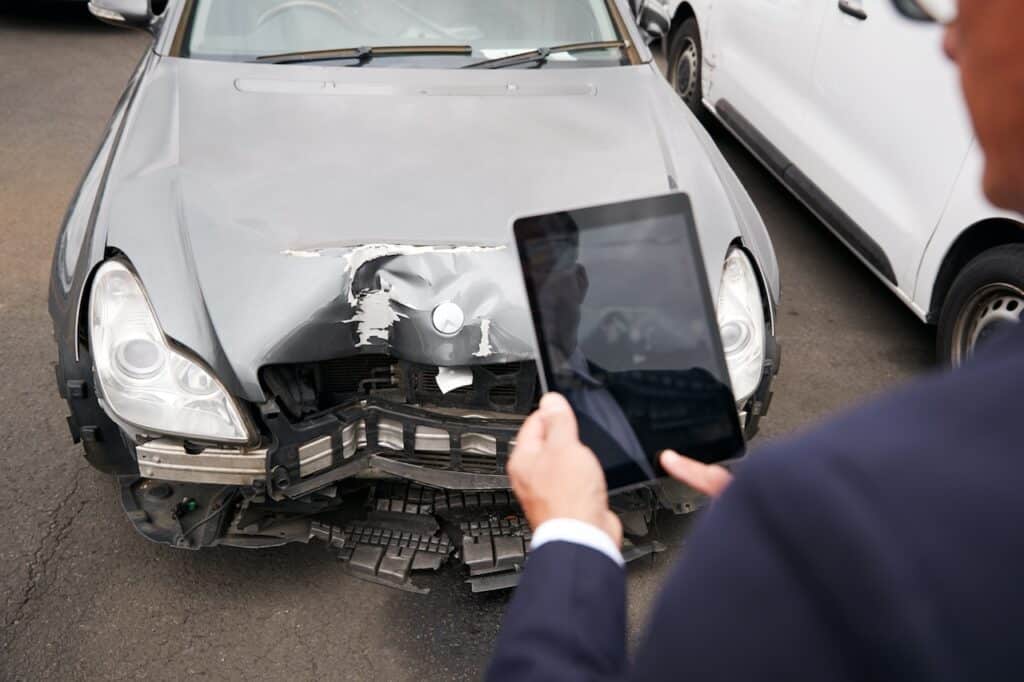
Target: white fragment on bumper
x=451, y=378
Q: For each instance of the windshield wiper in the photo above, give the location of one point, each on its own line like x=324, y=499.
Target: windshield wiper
x=542, y=54
x=363, y=54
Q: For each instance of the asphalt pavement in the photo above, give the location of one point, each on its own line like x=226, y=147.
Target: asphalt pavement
x=82, y=596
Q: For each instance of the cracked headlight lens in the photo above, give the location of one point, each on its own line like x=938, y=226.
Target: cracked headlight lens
x=144, y=382
x=741, y=323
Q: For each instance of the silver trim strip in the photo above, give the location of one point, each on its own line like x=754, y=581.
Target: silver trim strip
x=315, y=456
x=167, y=460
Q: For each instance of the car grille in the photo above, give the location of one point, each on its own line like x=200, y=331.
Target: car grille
x=309, y=388
x=342, y=378
x=398, y=412
x=510, y=387
x=472, y=464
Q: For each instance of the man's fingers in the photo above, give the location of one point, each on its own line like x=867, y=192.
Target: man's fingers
x=559, y=420
x=708, y=479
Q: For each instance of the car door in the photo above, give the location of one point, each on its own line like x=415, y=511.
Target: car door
x=758, y=56
x=891, y=132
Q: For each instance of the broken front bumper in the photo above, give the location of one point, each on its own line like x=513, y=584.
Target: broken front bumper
x=447, y=449
x=394, y=530
x=370, y=439
x=428, y=485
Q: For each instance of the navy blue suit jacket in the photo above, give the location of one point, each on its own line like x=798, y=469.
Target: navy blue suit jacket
x=887, y=544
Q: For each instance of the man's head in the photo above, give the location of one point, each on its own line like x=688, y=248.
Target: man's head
x=986, y=41
x=985, y=38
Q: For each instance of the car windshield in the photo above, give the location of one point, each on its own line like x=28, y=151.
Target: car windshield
x=247, y=29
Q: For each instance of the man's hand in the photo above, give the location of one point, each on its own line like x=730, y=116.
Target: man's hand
x=709, y=479
x=554, y=476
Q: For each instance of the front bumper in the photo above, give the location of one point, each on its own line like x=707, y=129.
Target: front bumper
x=370, y=439
x=377, y=439
x=757, y=406
x=427, y=484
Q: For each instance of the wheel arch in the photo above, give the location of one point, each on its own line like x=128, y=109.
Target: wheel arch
x=980, y=237
x=683, y=12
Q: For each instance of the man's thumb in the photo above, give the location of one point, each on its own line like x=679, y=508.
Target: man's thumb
x=711, y=479
x=559, y=420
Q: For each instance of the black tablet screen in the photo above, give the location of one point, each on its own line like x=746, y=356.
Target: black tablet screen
x=626, y=331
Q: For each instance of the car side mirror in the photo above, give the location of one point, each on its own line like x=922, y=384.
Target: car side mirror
x=653, y=18
x=124, y=13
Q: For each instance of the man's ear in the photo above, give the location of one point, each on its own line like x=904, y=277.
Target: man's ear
x=582, y=280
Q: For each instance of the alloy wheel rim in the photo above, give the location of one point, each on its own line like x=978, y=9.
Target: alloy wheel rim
x=989, y=310
x=686, y=71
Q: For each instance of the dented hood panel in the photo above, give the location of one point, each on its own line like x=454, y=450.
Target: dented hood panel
x=295, y=213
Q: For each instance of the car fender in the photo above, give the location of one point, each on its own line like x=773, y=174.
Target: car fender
x=81, y=247
x=724, y=211
x=81, y=241
x=967, y=206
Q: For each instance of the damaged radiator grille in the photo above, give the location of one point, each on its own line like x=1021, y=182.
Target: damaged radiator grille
x=307, y=388
x=469, y=463
x=346, y=376
x=446, y=444
x=395, y=412
x=510, y=387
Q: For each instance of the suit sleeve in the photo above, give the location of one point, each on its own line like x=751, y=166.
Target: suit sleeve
x=743, y=604
x=567, y=620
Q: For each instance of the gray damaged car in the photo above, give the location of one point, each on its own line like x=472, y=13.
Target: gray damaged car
x=284, y=296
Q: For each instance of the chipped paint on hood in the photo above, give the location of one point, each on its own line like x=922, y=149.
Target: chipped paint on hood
x=376, y=301
x=485, y=349
x=374, y=316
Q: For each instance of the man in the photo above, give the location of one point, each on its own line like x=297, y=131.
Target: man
x=884, y=545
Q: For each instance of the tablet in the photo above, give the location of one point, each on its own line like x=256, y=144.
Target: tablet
x=625, y=329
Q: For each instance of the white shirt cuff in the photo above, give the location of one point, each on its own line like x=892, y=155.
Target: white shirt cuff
x=577, y=533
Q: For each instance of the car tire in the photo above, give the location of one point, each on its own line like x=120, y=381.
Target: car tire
x=986, y=297
x=686, y=63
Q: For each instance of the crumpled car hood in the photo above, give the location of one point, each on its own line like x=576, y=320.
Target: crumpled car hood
x=296, y=213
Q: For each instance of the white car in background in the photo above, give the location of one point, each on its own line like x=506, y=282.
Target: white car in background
x=859, y=114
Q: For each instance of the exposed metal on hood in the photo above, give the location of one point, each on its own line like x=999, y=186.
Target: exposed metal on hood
x=389, y=283
x=485, y=349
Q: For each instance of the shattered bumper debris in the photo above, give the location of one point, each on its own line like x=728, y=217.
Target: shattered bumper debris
x=410, y=529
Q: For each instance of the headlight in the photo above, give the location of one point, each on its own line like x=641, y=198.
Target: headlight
x=144, y=381
x=741, y=322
